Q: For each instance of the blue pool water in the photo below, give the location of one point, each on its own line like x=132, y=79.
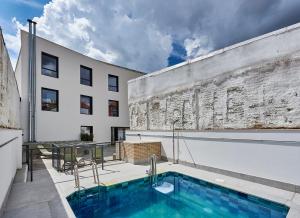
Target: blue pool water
x=190, y=198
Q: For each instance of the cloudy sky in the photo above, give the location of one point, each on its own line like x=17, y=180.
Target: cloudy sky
x=142, y=34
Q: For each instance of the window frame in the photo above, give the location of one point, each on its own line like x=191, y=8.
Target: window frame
x=57, y=65
x=57, y=98
x=117, y=87
x=91, y=103
x=118, y=115
x=91, y=79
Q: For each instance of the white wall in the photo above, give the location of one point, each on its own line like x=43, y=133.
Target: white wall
x=275, y=44
x=10, y=159
x=10, y=153
x=65, y=124
x=258, y=153
x=9, y=93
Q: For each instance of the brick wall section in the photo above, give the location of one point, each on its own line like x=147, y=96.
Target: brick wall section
x=139, y=153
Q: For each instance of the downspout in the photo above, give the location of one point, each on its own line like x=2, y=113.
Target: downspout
x=32, y=80
x=29, y=81
x=34, y=83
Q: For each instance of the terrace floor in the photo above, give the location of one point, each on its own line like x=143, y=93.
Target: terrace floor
x=47, y=194
x=34, y=199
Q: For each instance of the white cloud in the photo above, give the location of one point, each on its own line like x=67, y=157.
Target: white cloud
x=30, y=3
x=13, y=43
x=197, y=46
x=139, y=33
x=103, y=30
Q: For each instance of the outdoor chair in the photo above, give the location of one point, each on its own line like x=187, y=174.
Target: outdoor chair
x=44, y=151
x=68, y=158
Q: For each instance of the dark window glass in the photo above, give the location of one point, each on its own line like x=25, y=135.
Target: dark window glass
x=86, y=104
x=49, y=100
x=85, y=76
x=86, y=130
x=113, y=108
x=49, y=65
x=86, y=134
x=113, y=83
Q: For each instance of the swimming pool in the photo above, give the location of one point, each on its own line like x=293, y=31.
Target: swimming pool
x=186, y=197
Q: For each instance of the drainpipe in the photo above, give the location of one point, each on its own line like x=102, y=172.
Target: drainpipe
x=34, y=83
x=31, y=80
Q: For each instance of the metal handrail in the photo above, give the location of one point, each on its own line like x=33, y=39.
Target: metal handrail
x=153, y=171
x=76, y=177
x=9, y=141
x=95, y=172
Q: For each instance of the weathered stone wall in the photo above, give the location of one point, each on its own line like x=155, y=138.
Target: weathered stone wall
x=263, y=95
x=9, y=94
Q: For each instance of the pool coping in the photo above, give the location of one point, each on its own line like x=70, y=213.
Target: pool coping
x=287, y=198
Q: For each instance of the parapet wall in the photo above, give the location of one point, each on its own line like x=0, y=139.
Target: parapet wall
x=9, y=94
x=251, y=85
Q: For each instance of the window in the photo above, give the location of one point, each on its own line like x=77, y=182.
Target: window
x=86, y=134
x=113, y=108
x=49, y=65
x=113, y=83
x=85, y=76
x=86, y=104
x=88, y=130
x=49, y=100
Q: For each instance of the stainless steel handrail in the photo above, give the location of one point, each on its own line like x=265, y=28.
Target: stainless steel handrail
x=153, y=171
x=76, y=176
x=9, y=141
x=95, y=172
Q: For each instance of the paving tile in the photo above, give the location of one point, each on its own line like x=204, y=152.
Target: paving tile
x=35, y=199
x=36, y=210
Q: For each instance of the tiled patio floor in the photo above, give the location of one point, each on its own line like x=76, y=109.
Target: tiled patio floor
x=34, y=199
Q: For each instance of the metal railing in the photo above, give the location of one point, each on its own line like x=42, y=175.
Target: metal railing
x=95, y=173
x=64, y=156
x=76, y=177
x=153, y=171
x=7, y=142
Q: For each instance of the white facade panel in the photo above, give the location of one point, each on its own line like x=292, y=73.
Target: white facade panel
x=65, y=124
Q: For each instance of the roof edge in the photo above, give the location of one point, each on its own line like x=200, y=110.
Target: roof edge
x=125, y=68
x=219, y=51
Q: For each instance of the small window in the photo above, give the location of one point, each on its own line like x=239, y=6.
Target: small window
x=86, y=134
x=113, y=108
x=49, y=100
x=86, y=104
x=49, y=65
x=86, y=76
x=113, y=83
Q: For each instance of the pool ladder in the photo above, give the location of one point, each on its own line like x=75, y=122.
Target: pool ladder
x=95, y=175
x=76, y=177
x=153, y=172
x=95, y=172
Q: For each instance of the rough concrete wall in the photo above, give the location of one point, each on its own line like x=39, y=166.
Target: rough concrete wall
x=9, y=94
x=263, y=95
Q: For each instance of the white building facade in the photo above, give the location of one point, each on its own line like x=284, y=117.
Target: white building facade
x=74, y=94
